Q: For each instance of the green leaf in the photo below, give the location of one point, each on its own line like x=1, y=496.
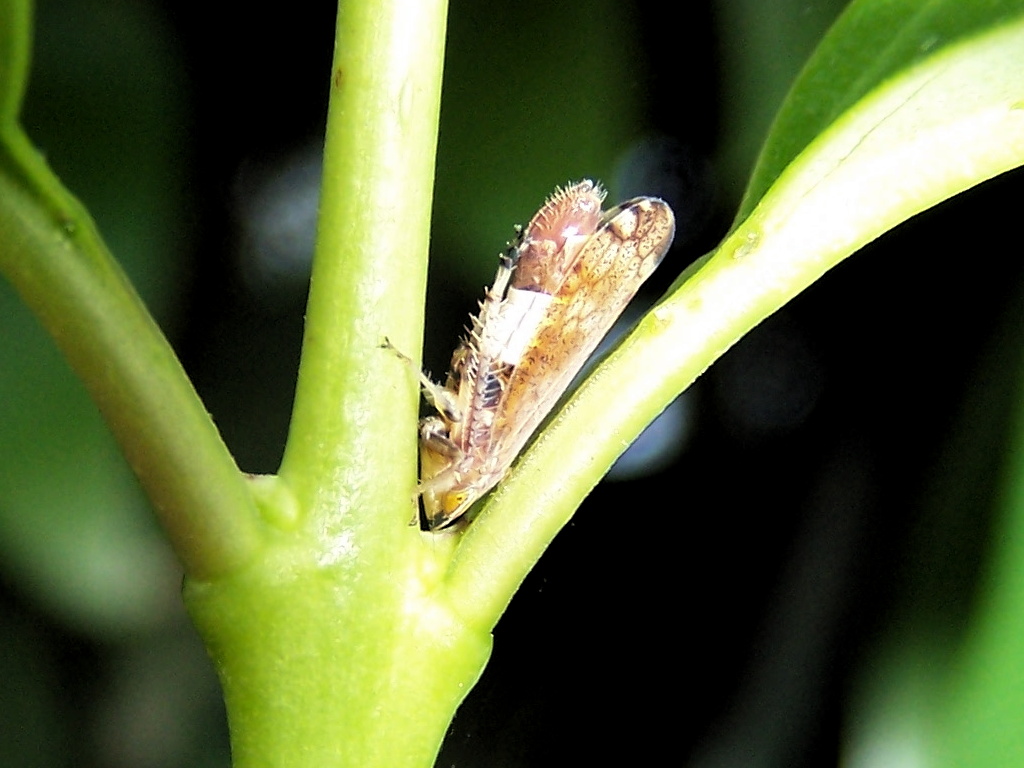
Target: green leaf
x=904, y=64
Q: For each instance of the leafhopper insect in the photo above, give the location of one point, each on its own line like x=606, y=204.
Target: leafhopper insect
x=559, y=288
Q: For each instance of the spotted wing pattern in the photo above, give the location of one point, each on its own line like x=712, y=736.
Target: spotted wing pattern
x=560, y=287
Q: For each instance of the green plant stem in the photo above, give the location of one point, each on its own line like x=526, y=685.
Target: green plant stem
x=350, y=448
x=337, y=647
x=52, y=254
x=15, y=42
x=335, y=663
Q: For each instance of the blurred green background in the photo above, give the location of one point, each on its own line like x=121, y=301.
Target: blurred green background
x=818, y=507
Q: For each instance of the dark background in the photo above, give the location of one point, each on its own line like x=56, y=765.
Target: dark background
x=715, y=610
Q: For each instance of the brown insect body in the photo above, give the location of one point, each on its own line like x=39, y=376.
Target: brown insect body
x=558, y=291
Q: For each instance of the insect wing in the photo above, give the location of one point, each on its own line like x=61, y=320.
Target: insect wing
x=595, y=288
x=558, y=291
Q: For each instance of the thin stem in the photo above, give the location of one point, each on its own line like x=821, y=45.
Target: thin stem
x=351, y=446
x=52, y=254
